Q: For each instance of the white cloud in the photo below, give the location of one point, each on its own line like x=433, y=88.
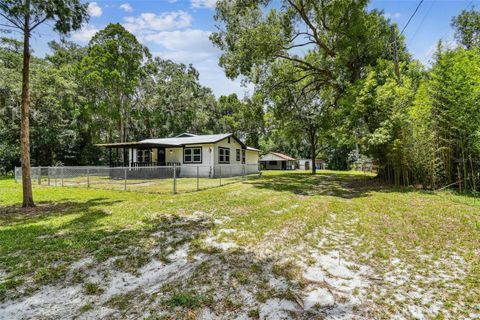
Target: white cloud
x=94, y=10
x=392, y=16
x=212, y=76
x=149, y=22
x=84, y=34
x=193, y=40
x=126, y=7
x=203, y=3
x=171, y=39
x=192, y=46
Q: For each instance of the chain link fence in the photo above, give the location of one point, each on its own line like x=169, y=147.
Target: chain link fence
x=164, y=179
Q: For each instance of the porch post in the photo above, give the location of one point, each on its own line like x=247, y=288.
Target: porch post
x=110, y=157
x=174, y=178
x=198, y=186
x=130, y=157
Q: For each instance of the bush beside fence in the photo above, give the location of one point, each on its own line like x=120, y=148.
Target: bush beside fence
x=145, y=179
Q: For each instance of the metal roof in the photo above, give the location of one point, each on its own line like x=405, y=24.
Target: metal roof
x=179, y=141
x=282, y=156
x=186, y=140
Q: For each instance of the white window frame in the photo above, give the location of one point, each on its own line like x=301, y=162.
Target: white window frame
x=223, y=155
x=192, y=154
x=141, y=155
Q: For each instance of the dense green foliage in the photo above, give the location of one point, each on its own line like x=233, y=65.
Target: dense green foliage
x=325, y=86
x=110, y=90
x=342, y=91
x=467, y=26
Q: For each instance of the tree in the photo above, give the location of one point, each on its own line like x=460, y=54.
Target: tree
x=379, y=117
x=171, y=100
x=26, y=16
x=454, y=92
x=244, y=117
x=328, y=42
x=305, y=114
x=113, y=68
x=327, y=45
x=467, y=28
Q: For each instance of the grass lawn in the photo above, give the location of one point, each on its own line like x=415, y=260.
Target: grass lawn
x=284, y=245
x=163, y=185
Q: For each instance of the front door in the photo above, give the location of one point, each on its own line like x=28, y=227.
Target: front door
x=284, y=165
x=161, y=156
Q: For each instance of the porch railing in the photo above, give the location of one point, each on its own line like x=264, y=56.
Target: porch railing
x=145, y=164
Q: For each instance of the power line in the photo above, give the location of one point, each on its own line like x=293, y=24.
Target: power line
x=429, y=55
x=450, y=30
x=411, y=17
x=423, y=20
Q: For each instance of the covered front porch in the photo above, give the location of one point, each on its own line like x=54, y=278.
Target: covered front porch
x=138, y=154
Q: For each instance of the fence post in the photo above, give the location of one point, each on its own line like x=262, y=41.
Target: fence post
x=125, y=180
x=174, y=178
x=220, y=173
x=243, y=172
x=15, y=174
x=198, y=186
x=88, y=177
x=39, y=175
x=48, y=176
x=62, y=176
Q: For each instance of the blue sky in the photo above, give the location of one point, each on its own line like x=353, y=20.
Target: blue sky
x=179, y=30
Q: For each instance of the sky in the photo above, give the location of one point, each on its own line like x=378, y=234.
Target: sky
x=179, y=30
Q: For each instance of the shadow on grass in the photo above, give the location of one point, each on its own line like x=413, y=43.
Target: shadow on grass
x=345, y=185
x=40, y=244
x=16, y=214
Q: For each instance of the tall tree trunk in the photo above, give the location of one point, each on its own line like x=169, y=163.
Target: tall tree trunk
x=313, y=151
x=25, y=126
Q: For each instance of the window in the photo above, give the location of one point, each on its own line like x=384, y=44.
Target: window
x=143, y=156
x=272, y=163
x=192, y=155
x=243, y=156
x=238, y=155
x=228, y=139
x=223, y=155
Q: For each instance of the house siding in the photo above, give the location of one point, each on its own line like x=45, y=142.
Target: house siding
x=210, y=166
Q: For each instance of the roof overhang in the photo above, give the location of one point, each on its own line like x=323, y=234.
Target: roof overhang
x=135, y=145
x=151, y=143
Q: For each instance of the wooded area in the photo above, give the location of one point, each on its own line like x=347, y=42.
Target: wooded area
x=342, y=100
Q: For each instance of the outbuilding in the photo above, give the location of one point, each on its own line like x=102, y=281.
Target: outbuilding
x=306, y=164
x=277, y=161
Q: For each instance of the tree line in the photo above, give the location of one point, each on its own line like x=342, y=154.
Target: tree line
x=110, y=90
x=332, y=79
x=339, y=77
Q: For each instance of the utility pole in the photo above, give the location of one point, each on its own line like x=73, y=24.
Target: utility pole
x=395, y=54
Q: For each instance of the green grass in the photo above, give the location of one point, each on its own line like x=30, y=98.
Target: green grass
x=278, y=210
x=164, y=185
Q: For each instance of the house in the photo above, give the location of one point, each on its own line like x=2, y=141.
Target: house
x=190, y=152
x=277, y=161
x=306, y=164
